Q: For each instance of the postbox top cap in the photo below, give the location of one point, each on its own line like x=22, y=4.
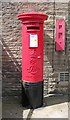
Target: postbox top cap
x=32, y=16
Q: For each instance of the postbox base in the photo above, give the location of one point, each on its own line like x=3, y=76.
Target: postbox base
x=32, y=94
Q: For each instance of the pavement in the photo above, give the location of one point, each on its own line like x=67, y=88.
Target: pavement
x=55, y=106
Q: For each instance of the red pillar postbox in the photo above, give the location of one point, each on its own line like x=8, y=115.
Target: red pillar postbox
x=32, y=58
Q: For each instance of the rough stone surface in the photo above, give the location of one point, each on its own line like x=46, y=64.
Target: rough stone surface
x=54, y=61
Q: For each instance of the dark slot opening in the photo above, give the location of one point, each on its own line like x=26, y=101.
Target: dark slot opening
x=33, y=27
x=60, y=35
x=60, y=26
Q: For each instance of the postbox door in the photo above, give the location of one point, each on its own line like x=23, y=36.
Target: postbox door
x=33, y=54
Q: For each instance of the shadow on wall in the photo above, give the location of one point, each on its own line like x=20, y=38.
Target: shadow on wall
x=69, y=47
x=49, y=78
x=69, y=35
x=10, y=68
x=50, y=81
x=11, y=86
x=54, y=62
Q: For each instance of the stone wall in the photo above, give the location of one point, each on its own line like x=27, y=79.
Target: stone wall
x=54, y=61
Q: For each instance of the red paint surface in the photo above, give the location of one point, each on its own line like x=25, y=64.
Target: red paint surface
x=32, y=57
x=60, y=35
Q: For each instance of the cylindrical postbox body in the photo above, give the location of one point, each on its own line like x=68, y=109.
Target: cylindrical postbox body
x=32, y=52
x=32, y=56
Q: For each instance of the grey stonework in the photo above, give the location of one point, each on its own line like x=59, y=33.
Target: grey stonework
x=54, y=61
x=41, y=1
